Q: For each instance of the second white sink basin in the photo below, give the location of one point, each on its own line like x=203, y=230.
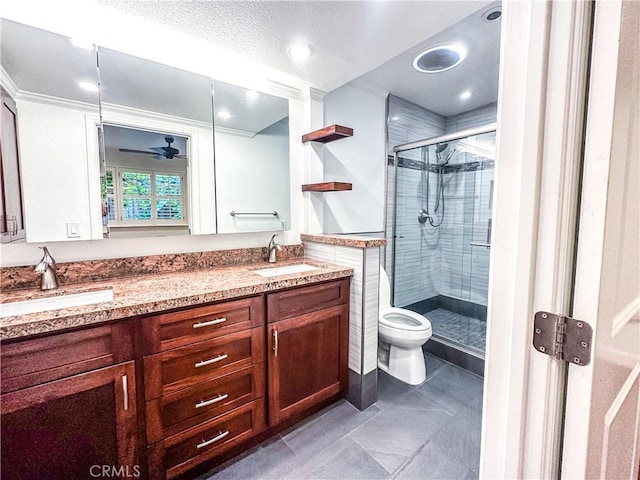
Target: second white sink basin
x=44, y=304
x=286, y=270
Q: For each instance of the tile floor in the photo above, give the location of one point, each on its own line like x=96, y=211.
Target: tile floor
x=458, y=328
x=429, y=431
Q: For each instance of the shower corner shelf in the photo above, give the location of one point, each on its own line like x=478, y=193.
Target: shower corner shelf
x=326, y=187
x=328, y=134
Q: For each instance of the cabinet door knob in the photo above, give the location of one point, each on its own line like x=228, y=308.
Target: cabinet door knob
x=211, y=360
x=275, y=342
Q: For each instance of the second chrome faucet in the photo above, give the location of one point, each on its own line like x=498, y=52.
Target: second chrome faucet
x=272, y=248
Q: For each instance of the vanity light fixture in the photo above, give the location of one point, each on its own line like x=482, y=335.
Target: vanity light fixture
x=465, y=95
x=299, y=52
x=252, y=94
x=81, y=43
x=224, y=114
x=439, y=59
x=88, y=86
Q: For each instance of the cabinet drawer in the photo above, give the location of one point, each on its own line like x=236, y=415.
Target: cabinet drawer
x=171, y=330
x=180, y=452
x=298, y=301
x=32, y=362
x=173, y=413
x=170, y=371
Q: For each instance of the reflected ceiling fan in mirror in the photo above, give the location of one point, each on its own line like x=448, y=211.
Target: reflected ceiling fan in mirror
x=167, y=151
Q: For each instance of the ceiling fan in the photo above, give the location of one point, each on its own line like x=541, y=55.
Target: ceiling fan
x=160, y=152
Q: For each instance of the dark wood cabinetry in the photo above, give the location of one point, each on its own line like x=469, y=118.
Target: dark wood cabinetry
x=204, y=382
x=11, y=204
x=308, y=332
x=59, y=426
x=70, y=406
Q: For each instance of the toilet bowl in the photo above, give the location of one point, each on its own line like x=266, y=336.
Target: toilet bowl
x=401, y=334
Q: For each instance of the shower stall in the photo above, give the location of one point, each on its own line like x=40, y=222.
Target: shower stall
x=441, y=237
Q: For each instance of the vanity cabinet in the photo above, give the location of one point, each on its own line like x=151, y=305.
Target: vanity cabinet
x=197, y=377
x=204, y=382
x=308, y=333
x=68, y=404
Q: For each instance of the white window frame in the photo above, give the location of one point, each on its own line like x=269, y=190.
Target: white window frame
x=154, y=221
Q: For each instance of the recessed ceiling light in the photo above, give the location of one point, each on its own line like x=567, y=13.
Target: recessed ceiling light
x=439, y=59
x=81, y=43
x=224, y=114
x=492, y=14
x=465, y=95
x=251, y=94
x=299, y=52
x=88, y=86
x=395, y=117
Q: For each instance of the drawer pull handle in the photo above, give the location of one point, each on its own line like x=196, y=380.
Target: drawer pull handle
x=211, y=360
x=209, y=323
x=217, y=399
x=125, y=392
x=213, y=440
x=275, y=342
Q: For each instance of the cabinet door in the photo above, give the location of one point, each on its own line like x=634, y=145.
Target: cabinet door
x=11, y=210
x=307, y=360
x=77, y=427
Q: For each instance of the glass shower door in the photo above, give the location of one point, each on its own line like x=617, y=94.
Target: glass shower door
x=442, y=235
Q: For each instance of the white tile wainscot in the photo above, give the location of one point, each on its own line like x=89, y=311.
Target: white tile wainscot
x=363, y=254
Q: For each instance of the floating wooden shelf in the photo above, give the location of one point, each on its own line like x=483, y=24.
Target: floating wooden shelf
x=326, y=187
x=328, y=134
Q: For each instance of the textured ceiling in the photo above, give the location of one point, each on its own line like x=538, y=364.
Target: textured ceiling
x=349, y=38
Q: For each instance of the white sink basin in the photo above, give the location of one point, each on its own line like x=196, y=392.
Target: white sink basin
x=35, y=305
x=286, y=270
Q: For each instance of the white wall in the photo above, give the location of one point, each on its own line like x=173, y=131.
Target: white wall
x=359, y=160
x=55, y=140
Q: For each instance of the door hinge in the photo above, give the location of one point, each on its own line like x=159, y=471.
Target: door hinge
x=562, y=337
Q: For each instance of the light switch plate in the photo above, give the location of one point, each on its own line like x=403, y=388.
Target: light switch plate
x=73, y=230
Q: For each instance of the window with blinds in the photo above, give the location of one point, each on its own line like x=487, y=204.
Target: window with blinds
x=145, y=197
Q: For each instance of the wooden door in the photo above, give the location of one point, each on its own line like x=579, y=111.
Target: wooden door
x=602, y=424
x=11, y=206
x=307, y=359
x=77, y=427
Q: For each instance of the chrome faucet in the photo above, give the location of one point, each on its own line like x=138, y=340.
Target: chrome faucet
x=47, y=268
x=272, y=248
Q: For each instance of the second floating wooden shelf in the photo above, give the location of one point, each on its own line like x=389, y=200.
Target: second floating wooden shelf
x=328, y=134
x=326, y=187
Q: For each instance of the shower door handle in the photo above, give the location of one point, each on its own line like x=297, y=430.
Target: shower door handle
x=480, y=244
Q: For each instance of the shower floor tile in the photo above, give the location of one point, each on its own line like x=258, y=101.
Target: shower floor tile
x=458, y=328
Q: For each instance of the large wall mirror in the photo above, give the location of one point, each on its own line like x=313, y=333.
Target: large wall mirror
x=54, y=82
x=252, y=160
x=156, y=173
x=158, y=138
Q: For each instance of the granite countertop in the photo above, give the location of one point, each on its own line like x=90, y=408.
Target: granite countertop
x=155, y=293
x=347, y=240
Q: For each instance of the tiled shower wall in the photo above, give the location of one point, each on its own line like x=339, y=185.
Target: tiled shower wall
x=438, y=261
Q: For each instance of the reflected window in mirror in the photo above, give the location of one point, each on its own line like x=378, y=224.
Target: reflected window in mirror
x=145, y=182
x=159, y=162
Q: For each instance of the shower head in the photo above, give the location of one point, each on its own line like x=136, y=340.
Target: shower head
x=442, y=147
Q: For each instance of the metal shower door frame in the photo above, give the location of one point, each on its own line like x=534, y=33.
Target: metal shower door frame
x=449, y=137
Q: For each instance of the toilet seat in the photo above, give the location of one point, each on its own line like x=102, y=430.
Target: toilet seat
x=402, y=319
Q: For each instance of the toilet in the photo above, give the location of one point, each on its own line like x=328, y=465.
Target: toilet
x=401, y=334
